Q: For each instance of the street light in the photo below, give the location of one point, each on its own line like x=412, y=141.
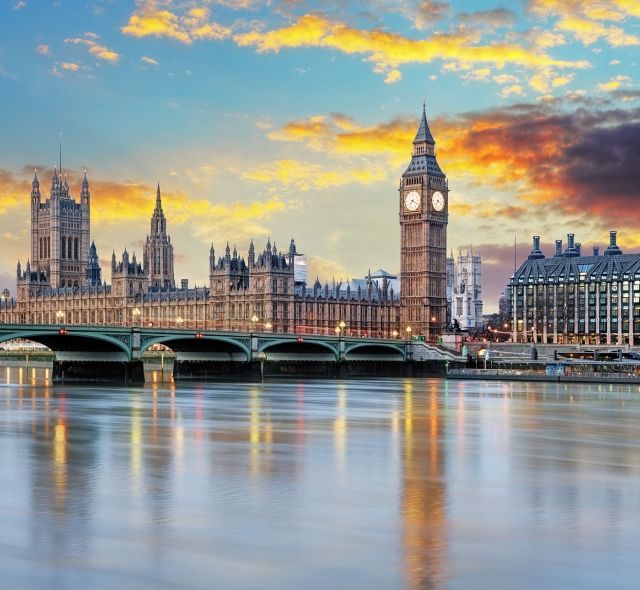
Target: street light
x=60, y=316
x=395, y=333
x=268, y=326
x=253, y=344
x=136, y=314
x=179, y=321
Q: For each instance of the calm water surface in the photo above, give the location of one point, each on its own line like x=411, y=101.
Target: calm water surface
x=316, y=484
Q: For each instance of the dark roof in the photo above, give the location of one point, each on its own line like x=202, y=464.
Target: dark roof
x=424, y=133
x=583, y=268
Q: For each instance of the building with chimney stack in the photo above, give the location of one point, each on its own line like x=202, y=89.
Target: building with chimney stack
x=577, y=298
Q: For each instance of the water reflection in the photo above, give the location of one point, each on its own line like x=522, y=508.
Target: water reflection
x=423, y=489
x=63, y=455
x=387, y=484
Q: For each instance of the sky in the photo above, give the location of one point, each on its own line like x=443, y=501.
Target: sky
x=294, y=119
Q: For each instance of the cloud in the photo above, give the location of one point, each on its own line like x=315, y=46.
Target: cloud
x=108, y=197
x=614, y=83
x=387, y=51
x=194, y=25
x=514, y=89
x=324, y=269
x=588, y=20
x=606, y=10
x=95, y=49
x=70, y=66
x=304, y=176
x=545, y=81
x=497, y=17
x=148, y=60
x=583, y=163
x=477, y=74
x=545, y=38
x=393, y=76
x=19, y=5
x=339, y=135
x=426, y=12
x=589, y=31
x=503, y=79
x=42, y=49
x=15, y=191
x=627, y=95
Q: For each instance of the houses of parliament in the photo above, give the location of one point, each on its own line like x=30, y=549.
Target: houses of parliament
x=62, y=281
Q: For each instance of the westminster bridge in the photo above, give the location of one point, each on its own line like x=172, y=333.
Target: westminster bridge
x=87, y=352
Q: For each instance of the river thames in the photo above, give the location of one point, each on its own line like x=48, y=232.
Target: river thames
x=381, y=484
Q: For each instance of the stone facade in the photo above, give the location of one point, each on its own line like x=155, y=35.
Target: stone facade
x=571, y=298
x=62, y=281
x=464, y=289
x=423, y=209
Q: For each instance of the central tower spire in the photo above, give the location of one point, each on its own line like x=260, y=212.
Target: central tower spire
x=158, y=250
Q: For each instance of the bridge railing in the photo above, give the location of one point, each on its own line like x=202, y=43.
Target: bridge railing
x=222, y=326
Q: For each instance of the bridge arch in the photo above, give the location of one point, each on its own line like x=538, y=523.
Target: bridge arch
x=207, y=344
x=70, y=340
x=372, y=350
x=304, y=347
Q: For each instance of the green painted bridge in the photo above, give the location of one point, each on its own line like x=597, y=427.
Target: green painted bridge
x=101, y=348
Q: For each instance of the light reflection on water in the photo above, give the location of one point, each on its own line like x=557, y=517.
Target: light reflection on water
x=356, y=484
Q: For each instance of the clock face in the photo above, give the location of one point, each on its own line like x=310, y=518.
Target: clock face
x=412, y=201
x=437, y=200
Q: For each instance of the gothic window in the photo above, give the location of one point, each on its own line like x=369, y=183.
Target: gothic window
x=63, y=249
x=75, y=248
x=70, y=249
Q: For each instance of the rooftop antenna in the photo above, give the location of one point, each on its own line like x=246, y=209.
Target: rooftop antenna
x=515, y=247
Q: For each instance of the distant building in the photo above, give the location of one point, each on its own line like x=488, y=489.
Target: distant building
x=464, y=289
x=571, y=298
x=504, y=305
x=299, y=268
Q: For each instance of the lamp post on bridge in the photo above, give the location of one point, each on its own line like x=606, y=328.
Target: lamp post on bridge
x=253, y=340
x=135, y=312
x=339, y=330
x=408, y=329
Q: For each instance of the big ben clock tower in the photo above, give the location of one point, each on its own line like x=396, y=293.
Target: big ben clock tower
x=424, y=204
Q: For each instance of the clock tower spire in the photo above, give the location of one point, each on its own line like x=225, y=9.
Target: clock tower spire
x=424, y=201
